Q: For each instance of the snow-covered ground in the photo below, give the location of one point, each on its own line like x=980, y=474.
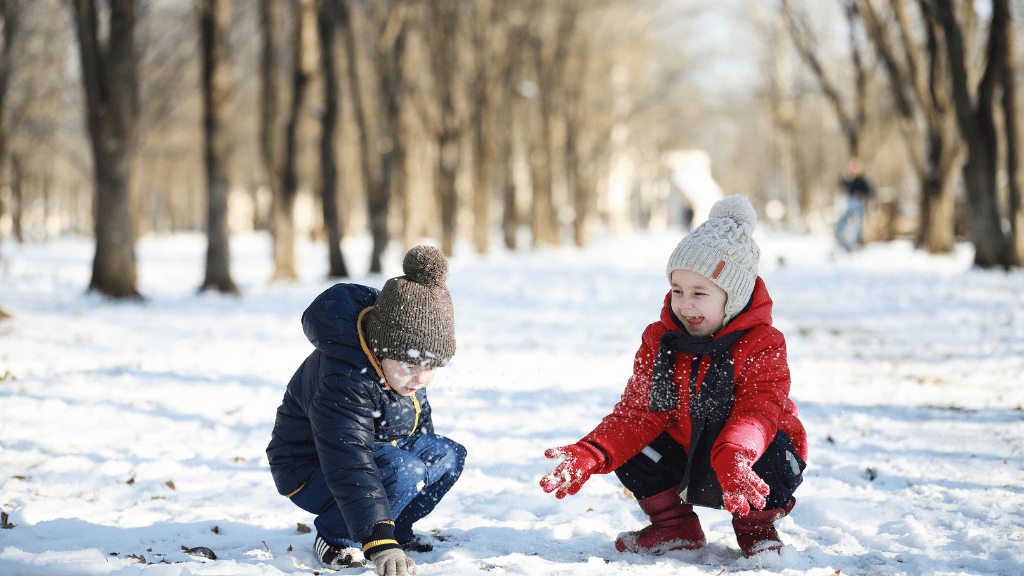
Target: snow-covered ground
x=131, y=430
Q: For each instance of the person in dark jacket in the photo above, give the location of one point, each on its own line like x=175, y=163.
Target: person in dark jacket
x=850, y=227
x=353, y=441
x=706, y=417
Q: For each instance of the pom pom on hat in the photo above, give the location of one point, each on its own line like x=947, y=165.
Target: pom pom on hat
x=737, y=208
x=723, y=250
x=425, y=265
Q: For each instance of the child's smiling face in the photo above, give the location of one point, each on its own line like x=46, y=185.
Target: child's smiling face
x=698, y=302
x=405, y=378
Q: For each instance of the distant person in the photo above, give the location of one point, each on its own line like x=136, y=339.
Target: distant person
x=850, y=228
x=687, y=216
x=706, y=418
x=354, y=442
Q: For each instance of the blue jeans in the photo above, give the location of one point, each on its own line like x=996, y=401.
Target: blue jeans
x=850, y=228
x=416, y=473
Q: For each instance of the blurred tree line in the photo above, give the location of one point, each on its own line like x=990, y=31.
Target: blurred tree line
x=924, y=92
x=524, y=122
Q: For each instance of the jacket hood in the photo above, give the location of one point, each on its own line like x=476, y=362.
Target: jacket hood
x=758, y=312
x=330, y=321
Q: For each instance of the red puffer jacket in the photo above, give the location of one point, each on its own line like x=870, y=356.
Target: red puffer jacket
x=761, y=398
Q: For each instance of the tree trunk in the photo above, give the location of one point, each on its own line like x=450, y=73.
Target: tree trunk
x=1001, y=11
x=18, y=196
x=214, y=24
x=977, y=125
x=483, y=176
x=377, y=199
x=545, y=224
x=908, y=86
x=388, y=58
x=503, y=177
x=577, y=192
x=938, y=212
x=917, y=76
x=485, y=26
x=444, y=26
x=302, y=70
x=945, y=149
x=271, y=144
x=573, y=81
x=506, y=117
x=329, y=123
x=9, y=19
x=109, y=74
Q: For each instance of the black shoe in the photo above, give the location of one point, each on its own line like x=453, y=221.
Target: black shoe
x=417, y=544
x=337, y=557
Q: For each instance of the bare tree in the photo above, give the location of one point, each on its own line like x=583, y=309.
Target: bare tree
x=10, y=16
x=110, y=79
x=544, y=48
x=326, y=23
x=509, y=69
x=272, y=144
x=214, y=25
x=976, y=118
x=377, y=193
x=1011, y=129
x=918, y=76
x=494, y=39
x=9, y=12
x=305, y=60
x=389, y=55
x=852, y=122
x=579, y=130
x=442, y=31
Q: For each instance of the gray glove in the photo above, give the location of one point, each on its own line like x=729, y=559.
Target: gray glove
x=393, y=562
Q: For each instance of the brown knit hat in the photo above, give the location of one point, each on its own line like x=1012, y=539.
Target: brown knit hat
x=413, y=320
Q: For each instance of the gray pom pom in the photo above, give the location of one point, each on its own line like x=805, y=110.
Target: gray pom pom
x=737, y=208
x=425, y=265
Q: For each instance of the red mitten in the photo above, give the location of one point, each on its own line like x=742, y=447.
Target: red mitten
x=579, y=461
x=741, y=487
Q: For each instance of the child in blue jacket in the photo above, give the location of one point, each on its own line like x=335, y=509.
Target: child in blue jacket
x=353, y=441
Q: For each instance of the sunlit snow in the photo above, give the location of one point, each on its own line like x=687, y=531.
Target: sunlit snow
x=137, y=430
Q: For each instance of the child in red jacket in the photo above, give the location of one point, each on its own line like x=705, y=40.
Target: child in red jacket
x=706, y=417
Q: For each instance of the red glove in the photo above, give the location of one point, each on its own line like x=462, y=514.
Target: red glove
x=739, y=483
x=579, y=461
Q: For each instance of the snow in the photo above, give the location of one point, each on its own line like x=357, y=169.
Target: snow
x=132, y=430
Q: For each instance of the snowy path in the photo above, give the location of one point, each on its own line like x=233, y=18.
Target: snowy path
x=138, y=430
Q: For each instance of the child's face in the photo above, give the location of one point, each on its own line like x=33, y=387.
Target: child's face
x=404, y=378
x=698, y=302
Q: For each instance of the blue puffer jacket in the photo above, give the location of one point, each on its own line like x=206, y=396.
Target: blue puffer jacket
x=336, y=408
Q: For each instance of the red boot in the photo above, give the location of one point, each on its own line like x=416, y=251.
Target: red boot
x=755, y=532
x=674, y=526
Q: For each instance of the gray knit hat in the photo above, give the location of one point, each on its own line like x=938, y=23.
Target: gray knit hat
x=413, y=320
x=723, y=249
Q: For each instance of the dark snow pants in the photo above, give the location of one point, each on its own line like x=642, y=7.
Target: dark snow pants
x=416, y=473
x=662, y=465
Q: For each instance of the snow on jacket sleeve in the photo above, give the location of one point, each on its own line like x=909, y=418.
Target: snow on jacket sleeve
x=342, y=419
x=632, y=425
x=761, y=395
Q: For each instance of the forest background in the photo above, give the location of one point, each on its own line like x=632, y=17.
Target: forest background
x=530, y=122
